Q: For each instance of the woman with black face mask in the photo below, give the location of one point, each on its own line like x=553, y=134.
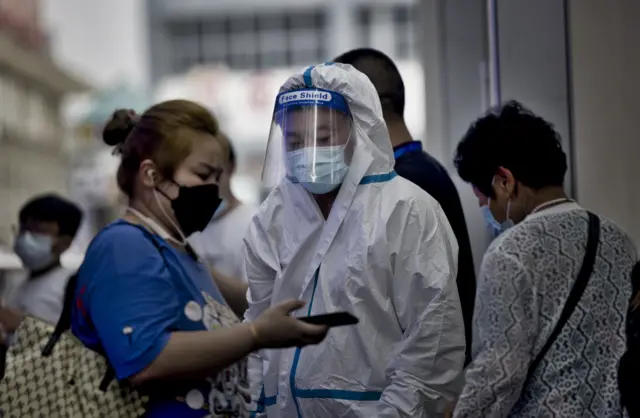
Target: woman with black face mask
x=145, y=299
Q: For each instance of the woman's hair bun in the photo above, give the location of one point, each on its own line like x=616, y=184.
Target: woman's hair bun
x=119, y=127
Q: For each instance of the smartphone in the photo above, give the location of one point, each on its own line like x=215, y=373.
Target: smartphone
x=336, y=319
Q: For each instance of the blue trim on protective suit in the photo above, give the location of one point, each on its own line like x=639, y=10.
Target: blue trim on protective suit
x=263, y=402
x=347, y=395
x=296, y=357
x=307, y=76
x=378, y=178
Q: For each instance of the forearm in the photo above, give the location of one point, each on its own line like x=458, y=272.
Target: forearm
x=425, y=371
x=199, y=354
x=490, y=390
x=422, y=396
x=234, y=292
x=406, y=396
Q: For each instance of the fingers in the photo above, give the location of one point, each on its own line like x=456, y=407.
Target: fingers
x=290, y=305
x=316, y=338
x=309, y=330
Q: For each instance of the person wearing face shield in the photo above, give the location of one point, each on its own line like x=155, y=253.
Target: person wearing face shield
x=530, y=358
x=146, y=299
x=416, y=165
x=341, y=231
x=47, y=226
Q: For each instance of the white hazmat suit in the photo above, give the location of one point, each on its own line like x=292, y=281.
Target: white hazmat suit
x=387, y=254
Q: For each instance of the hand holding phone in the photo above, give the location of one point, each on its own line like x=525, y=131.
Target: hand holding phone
x=335, y=319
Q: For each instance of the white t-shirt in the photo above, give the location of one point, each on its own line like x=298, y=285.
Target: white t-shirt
x=221, y=244
x=42, y=297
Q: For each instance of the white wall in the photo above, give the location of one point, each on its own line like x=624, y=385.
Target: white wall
x=532, y=62
x=454, y=57
x=605, y=39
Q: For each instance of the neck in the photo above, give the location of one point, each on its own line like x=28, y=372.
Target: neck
x=42, y=272
x=546, y=195
x=398, y=132
x=145, y=209
x=325, y=202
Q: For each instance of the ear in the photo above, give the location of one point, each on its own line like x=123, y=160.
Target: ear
x=62, y=244
x=148, y=173
x=505, y=179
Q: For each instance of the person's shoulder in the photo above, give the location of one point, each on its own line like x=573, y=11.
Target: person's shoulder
x=62, y=274
x=122, y=250
x=122, y=241
x=407, y=199
x=422, y=165
x=246, y=211
x=273, y=204
x=122, y=233
x=533, y=233
x=523, y=237
x=402, y=190
x=58, y=278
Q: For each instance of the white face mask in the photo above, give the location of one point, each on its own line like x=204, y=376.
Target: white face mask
x=319, y=170
x=35, y=250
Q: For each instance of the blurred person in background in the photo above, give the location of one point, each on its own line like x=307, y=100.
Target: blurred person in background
x=144, y=297
x=514, y=161
x=417, y=166
x=47, y=227
x=343, y=232
x=221, y=243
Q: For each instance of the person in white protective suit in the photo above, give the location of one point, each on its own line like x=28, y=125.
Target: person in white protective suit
x=342, y=232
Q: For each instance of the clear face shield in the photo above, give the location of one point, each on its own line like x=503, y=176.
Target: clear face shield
x=310, y=141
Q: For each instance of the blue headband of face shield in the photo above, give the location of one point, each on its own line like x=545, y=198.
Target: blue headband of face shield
x=309, y=97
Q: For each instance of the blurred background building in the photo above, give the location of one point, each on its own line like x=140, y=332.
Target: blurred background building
x=33, y=156
x=257, y=34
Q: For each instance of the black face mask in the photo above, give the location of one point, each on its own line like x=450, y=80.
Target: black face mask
x=194, y=207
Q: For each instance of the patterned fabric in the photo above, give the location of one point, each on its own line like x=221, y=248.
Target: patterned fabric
x=230, y=394
x=63, y=385
x=524, y=282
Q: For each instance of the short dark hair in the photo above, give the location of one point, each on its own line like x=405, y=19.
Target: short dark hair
x=513, y=137
x=384, y=75
x=52, y=208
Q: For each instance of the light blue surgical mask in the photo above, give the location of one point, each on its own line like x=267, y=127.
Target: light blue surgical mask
x=319, y=170
x=496, y=227
x=492, y=224
x=35, y=250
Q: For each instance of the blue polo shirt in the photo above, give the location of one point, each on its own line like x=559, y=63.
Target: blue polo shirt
x=133, y=290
